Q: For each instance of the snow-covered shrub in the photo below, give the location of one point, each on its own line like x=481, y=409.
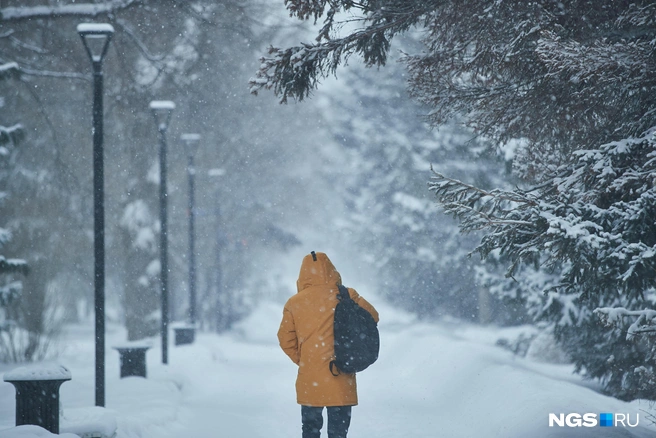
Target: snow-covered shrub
x=544, y=348
x=519, y=346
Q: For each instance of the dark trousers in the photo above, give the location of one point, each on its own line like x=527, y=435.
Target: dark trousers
x=339, y=420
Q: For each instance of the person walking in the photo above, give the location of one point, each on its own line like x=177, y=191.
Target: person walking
x=306, y=336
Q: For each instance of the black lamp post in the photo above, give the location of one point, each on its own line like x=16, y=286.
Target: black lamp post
x=96, y=38
x=190, y=142
x=162, y=110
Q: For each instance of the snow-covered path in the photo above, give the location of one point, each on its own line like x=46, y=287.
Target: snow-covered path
x=430, y=381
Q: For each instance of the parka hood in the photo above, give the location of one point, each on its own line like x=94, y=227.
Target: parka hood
x=317, y=269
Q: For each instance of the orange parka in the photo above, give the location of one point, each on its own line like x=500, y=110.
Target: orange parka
x=306, y=334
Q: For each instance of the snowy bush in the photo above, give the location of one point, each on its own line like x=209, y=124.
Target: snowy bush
x=519, y=346
x=544, y=348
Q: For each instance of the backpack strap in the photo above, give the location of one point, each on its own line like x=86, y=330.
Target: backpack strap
x=334, y=365
x=343, y=294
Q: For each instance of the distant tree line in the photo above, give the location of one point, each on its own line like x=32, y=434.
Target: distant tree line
x=198, y=54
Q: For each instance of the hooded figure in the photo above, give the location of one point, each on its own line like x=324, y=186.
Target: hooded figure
x=306, y=334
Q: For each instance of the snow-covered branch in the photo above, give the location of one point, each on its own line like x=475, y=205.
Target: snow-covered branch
x=9, y=293
x=477, y=208
x=8, y=69
x=604, y=61
x=52, y=74
x=17, y=13
x=644, y=320
x=590, y=216
x=11, y=134
x=124, y=26
x=441, y=181
x=13, y=69
x=12, y=265
x=294, y=72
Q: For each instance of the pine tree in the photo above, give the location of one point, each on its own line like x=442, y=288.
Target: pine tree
x=562, y=76
x=573, y=84
x=591, y=225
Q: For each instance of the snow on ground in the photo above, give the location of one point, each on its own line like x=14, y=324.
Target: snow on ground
x=432, y=380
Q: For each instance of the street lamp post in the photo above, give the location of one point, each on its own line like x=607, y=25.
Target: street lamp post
x=162, y=110
x=190, y=142
x=96, y=38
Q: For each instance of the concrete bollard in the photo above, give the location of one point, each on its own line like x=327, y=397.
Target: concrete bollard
x=37, y=394
x=184, y=333
x=133, y=358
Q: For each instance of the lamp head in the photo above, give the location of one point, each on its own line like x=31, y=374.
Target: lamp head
x=190, y=142
x=96, y=38
x=162, y=110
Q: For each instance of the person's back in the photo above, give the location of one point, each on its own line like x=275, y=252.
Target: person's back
x=306, y=336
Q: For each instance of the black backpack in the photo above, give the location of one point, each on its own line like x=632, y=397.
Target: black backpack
x=356, y=336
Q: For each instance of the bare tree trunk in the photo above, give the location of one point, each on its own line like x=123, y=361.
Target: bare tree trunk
x=140, y=287
x=484, y=306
